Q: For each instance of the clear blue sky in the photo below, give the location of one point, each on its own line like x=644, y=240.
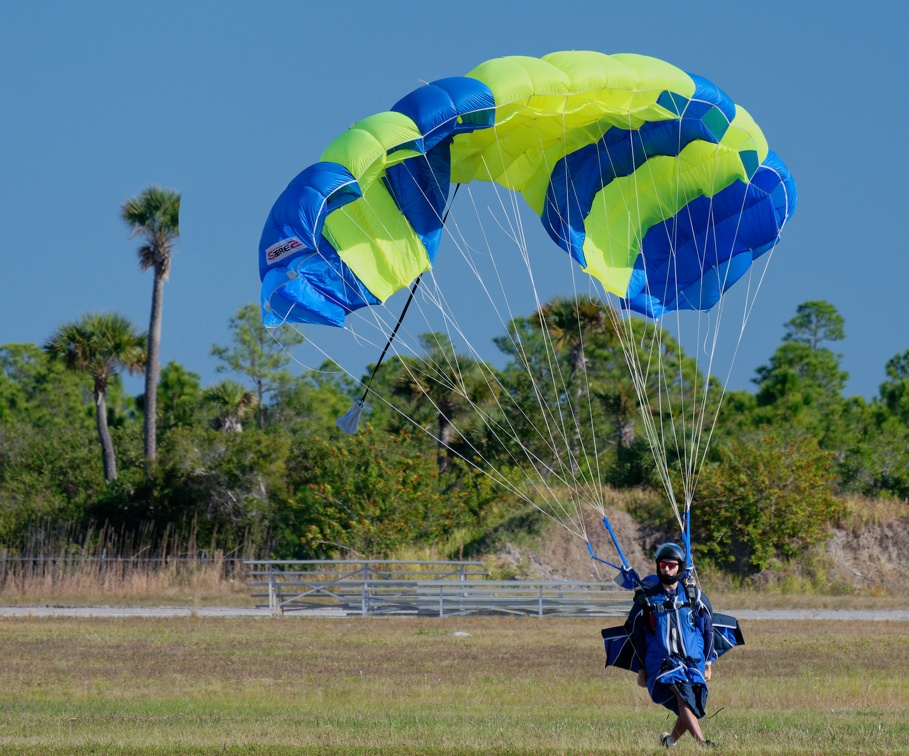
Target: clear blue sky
x=227, y=101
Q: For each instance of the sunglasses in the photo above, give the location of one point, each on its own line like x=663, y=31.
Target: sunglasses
x=668, y=565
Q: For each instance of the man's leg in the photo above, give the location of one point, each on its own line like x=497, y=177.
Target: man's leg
x=687, y=721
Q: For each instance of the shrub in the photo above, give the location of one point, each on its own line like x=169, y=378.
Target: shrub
x=764, y=500
x=370, y=494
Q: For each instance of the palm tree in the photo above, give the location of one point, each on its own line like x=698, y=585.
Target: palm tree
x=155, y=216
x=232, y=403
x=572, y=323
x=99, y=345
x=457, y=387
x=620, y=402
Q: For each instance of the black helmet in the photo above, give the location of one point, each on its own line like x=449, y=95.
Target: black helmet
x=670, y=550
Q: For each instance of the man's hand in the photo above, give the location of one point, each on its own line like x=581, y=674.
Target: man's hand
x=707, y=672
x=642, y=678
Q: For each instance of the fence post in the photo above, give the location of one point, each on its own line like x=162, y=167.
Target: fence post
x=540, y=611
x=441, y=603
x=364, y=603
x=272, y=592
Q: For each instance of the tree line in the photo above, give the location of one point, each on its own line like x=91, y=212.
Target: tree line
x=260, y=464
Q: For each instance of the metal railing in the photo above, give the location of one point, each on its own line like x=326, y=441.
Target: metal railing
x=385, y=587
x=320, y=583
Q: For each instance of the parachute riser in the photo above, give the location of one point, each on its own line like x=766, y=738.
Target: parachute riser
x=602, y=561
x=627, y=577
x=615, y=542
x=686, y=536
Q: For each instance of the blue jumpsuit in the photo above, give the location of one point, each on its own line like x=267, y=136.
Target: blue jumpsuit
x=672, y=632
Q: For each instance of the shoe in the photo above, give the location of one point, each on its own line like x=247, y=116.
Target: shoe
x=708, y=744
x=666, y=740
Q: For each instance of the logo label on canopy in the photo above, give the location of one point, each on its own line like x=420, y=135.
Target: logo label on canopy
x=280, y=250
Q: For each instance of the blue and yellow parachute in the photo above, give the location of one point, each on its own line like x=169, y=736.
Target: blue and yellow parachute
x=652, y=179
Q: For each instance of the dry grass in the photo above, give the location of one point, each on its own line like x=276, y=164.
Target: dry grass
x=413, y=686
x=861, y=512
x=108, y=566
x=214, y=581
x=779, y=600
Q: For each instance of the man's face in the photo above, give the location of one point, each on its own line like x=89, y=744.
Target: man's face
x=668, y=567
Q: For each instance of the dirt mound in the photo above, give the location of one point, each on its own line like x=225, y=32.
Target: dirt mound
x=871, y=556
x=557, y=554
x=867, y=558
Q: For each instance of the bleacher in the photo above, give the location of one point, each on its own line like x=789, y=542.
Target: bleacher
x=422, y=588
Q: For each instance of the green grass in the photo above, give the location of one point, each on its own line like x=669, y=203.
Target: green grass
x=410, y=686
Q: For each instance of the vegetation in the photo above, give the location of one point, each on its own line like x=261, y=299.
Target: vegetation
x=765, y=499
x=290, y=484
x=257, y=355
x=429, y=685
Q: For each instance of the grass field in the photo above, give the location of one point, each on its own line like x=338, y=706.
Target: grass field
x=420, y=686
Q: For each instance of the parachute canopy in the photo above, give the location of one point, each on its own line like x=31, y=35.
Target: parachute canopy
x=652, y=179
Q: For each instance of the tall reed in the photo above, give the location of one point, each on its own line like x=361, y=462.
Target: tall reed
x=110, y=565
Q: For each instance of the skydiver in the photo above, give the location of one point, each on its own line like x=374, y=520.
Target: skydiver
x=670, y=641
